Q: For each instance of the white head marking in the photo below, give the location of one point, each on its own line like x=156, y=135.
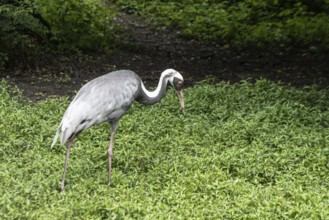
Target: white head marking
x=172, y=74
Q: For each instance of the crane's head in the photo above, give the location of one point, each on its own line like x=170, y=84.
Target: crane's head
x=177, y=81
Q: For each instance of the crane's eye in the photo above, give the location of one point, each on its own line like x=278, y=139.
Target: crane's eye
x=178, y=83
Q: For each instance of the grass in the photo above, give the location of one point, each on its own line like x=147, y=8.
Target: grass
x=242, y=151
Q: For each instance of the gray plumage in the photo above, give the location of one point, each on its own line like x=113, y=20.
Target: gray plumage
x=98, y=101
x=108, y=98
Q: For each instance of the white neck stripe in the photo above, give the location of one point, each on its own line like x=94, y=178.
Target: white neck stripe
x=156, y=92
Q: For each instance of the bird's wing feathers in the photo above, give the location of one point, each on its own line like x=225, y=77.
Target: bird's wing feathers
x=98, y=101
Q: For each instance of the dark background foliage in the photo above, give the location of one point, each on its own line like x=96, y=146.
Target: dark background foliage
x=243, y=23
x=31, y=28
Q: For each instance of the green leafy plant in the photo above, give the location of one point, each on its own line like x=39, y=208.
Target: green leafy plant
x=21, y=32
x=242, y=23
x=32, y=29
x=78, y=24
x=241, y=151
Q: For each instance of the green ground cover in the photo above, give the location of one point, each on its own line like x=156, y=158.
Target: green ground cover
x=242, y=151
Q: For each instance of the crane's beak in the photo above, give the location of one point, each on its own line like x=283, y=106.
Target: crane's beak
x=181, y=100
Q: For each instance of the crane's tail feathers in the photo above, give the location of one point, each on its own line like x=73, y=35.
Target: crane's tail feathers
x=55, y=138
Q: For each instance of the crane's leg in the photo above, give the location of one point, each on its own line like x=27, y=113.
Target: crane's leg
x=110, y=150
x=68, y=148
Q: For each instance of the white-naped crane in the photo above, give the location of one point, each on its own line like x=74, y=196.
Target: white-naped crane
x=108, y=98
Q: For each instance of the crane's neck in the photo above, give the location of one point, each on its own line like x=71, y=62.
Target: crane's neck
x=149, y=98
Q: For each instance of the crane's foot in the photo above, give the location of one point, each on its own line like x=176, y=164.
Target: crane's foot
x=62, y=186
x=109, y=180
x=110, y=168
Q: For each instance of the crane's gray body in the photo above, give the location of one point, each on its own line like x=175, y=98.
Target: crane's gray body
x=106, y=98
